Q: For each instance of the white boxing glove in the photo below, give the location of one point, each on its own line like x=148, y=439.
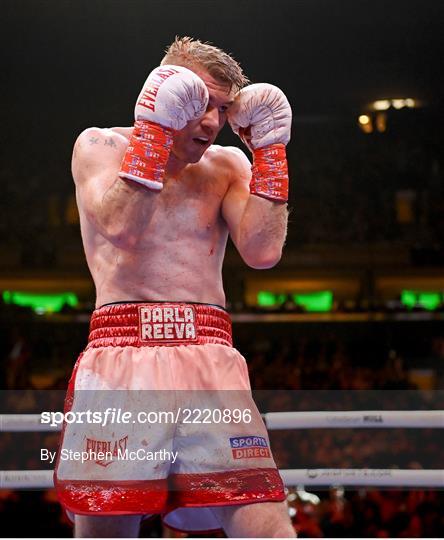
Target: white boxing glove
x=261, y=116
x=170, y=98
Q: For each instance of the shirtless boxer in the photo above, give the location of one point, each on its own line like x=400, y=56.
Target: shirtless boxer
x=157, y=203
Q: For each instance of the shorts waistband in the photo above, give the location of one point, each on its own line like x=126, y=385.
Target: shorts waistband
x=150, y=324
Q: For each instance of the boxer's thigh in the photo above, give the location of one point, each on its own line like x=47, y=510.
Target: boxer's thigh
x=107, y=526
x=267, y=520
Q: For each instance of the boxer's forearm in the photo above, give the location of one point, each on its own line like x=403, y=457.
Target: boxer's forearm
x=261, y=116
x=262, y=232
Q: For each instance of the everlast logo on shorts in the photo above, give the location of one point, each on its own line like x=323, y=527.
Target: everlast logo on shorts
x=168, y=323
x=107, y=449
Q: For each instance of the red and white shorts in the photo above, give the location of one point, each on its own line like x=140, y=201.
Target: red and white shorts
x=192, y=437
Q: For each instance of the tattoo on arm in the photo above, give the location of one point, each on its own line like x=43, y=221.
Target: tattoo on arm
x=110, y=142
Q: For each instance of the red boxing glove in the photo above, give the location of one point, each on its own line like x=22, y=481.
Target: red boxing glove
x=261, y=116
x=170, y=98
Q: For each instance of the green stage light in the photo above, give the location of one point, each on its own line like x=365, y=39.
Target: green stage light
x=408, y=299
x=269, y=299
x=319, y=301
x=40, y=303
x=429, y=300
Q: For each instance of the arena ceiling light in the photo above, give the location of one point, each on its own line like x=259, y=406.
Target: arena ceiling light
x=395, y=103
x=381, y=105
x=364, y=119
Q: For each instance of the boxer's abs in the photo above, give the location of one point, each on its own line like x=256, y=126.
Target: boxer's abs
x=173, y=266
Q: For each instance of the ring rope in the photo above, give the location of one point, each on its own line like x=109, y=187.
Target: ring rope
x=432, y=478
x=282, y=420
x=354, y=419
x=24, y=422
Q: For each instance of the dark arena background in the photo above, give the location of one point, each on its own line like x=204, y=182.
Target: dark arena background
x=352, y=316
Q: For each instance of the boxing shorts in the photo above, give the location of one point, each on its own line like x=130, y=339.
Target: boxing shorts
x=172, y=426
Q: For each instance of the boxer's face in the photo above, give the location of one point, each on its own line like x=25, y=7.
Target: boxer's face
x=191, y=142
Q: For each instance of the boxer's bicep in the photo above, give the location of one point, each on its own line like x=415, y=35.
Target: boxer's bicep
x=95, y=163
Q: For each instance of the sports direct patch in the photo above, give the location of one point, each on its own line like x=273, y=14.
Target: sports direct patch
x=249, y=447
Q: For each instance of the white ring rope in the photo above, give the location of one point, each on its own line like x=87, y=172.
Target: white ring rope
x=432, y=478
x=280, y=420
x=26, y=479
x=354, y=419
x=364, y=477
x=283, y=420
x=24, y=422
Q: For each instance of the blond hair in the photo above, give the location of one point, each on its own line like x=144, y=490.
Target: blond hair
x=192, y=53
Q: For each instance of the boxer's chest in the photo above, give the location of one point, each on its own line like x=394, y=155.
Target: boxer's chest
x=189, y=207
